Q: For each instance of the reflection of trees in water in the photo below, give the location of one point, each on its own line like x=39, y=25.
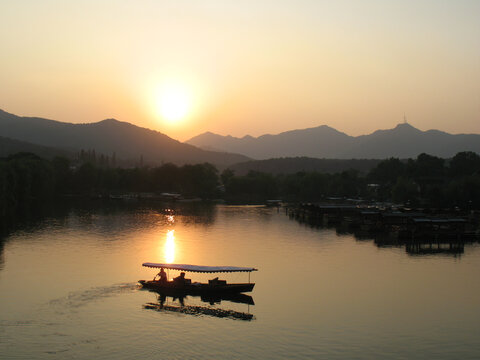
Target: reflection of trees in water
x=2, y=259
x=28, y=218
x=196, y=212
x=106, y=216
x=435, y=248
x=258, y=211
x=423, y=246
x=116, y=207
x=123, y=215
x=415, y=246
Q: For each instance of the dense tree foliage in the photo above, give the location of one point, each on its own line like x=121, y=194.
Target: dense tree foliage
x=26, y=179
x=302, y=186
x=252, y=188
x=424, y=181
x=430, y=181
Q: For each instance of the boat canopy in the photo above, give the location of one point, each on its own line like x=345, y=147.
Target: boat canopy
x=200, y=269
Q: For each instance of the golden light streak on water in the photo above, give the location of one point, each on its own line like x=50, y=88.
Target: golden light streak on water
x=170, y=247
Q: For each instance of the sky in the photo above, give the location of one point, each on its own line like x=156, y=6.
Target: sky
x=244, y=67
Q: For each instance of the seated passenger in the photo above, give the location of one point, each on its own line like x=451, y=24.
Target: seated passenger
x=180, y=279
x=217, y=282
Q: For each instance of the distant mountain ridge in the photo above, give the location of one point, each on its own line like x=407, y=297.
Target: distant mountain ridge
x=110, y=136
x=403, y=141
x=11, y=146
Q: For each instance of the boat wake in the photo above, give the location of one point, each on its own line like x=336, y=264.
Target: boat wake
x=81, y=298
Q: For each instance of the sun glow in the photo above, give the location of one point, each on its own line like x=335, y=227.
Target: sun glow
x=174, y=103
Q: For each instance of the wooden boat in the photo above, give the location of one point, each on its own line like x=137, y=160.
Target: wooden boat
x=187, y=287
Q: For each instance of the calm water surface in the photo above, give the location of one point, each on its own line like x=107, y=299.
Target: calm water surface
x=68, y=290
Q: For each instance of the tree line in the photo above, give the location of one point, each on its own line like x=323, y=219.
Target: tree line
x=425, y=181
x=27, y=180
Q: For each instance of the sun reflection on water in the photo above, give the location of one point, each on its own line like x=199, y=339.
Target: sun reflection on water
x=169, y=250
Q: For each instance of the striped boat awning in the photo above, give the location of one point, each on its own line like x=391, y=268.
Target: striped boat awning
x=198, y=268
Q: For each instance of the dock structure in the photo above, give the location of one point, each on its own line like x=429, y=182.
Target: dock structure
x=421, y=231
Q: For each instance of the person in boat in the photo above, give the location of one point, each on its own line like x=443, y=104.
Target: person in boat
x=162, y=276
x=180, y=280
x=216, y=282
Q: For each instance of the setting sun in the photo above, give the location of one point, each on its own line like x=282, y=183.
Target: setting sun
x=174, y=103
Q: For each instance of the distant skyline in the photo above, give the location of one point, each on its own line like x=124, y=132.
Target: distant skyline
x=237, y=68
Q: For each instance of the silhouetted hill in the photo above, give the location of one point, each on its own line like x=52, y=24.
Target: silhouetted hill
x=12, y=146
x=108, y=136
x=314, y=142
x=298, y=164
x=404, y=141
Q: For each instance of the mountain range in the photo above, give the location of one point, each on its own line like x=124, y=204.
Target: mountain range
x=12, y=146
x=296, y=150
x=127, y=141
x=403, y=141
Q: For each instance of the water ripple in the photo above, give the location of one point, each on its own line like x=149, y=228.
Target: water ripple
x=81, y=298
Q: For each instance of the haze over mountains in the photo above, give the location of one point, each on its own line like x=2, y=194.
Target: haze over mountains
x=404, y=141
x=108, y=136
x=291, y=151
x=11, y=146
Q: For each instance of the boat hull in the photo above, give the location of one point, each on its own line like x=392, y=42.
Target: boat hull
x=197, y=288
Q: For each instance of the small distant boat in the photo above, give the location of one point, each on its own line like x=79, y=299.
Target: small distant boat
x=186, y=286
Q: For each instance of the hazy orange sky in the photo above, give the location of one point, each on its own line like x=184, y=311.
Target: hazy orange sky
x=247, y=67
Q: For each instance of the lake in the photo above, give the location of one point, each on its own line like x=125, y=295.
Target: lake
x=68, y=286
